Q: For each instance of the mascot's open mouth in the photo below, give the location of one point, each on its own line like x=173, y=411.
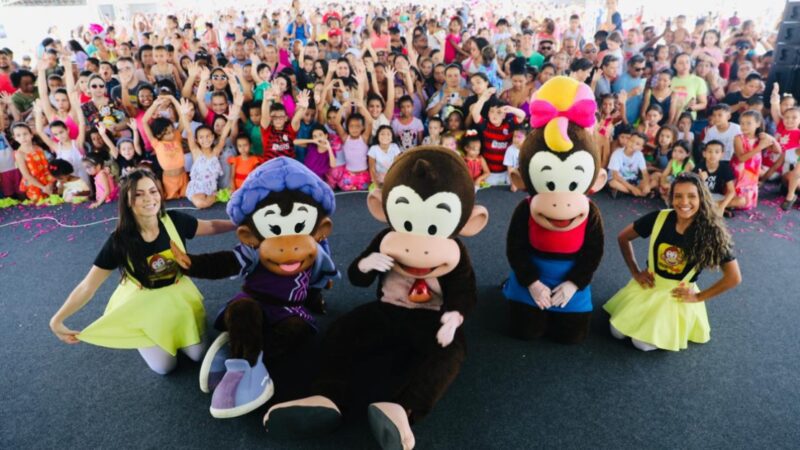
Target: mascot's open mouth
x=290, y=266
x=417, y=272
x=561, y=223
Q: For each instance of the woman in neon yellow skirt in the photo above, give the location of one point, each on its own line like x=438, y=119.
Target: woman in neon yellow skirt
x=662, y=307
x=154, y=309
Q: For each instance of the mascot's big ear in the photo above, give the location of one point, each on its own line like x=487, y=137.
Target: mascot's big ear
x=477, y=220
x=324, y=229
x=375, y=205
x=247, y=237
x=517, y=181
x=599, y=181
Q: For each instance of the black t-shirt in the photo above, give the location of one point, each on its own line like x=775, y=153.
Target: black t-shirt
x=670, y=258
x=733, y=99
x=164, y=269
x=116, y=92
x=716, y=180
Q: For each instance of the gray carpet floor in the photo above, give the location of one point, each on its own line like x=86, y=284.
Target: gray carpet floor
x=740, y=390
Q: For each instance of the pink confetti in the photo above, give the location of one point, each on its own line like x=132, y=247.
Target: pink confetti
x=3, y=254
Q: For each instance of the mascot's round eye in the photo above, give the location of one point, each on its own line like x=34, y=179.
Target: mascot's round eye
x=551, y=186
x=432, y=230
x=573, y=186
x=407, y=226
x=299, y=227
x=275, y=229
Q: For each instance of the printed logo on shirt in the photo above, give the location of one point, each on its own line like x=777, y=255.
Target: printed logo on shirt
x=163, y=266
x=671, y=259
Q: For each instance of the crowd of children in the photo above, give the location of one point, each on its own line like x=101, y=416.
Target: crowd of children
x=346, y=97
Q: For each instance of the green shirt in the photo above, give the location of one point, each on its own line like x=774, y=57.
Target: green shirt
x=254, y=131
x=536, y=59
x=689, y=87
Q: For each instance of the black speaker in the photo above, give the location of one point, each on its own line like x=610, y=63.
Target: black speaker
x=786, y=57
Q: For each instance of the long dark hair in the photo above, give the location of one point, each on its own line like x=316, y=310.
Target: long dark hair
x=709, y=240
x=127, y=242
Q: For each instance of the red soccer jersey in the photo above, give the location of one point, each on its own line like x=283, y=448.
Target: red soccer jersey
x=494, y=142
x=278, y=143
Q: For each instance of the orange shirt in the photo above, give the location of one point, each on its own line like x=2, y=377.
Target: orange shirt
x=169, y=153
x=242, y=168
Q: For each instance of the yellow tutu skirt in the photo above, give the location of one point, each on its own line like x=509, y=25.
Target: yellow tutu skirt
x=654, y=316
x=171, y=317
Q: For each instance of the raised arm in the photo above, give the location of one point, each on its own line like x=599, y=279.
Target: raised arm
x=389, y=110
x=302, y=105
x=112, y=148
x=149, y=115
x=39, y=122
x=205, y=75
x=194, y=72
x=41, y=84
x=775, y=103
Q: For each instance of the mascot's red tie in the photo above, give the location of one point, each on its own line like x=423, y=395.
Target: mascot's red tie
x=420, y=292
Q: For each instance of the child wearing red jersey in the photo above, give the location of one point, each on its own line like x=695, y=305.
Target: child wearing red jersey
x=496, y=133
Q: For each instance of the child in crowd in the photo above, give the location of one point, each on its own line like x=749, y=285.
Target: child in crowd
x=718, y=177
x=277, y=134
x=455, y=124
x=168, y=147
x=665, y=138
x=319, y=153
x=746, y=161
x=60, y=144
x=685, y=128
x=354, y=136
x=477, y=165
x=37, y=181
x=228, y=147
x=10, y=176
x=450, y=141
x=71, y=188
x=206, y=168
x=435, y=129
x=105, y=189
x=382, y=155
x=511, y=160
x=243, y=164
x=127, y=152
x=495, y=132
x=681, y=161
x=650, y=127
x=608, y=117
x=721, y=129
x=788, y=137
x=406, y=127
x=629, y=170
x=252, y=127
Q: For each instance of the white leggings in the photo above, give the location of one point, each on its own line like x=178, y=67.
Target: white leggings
x=643, y=346
x=163, y=363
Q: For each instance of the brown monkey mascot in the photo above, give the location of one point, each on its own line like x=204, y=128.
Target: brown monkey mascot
x=555, y=239
x=426, y=287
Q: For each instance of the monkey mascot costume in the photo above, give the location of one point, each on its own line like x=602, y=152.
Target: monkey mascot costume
x=426, y=287
x=283, y=216
x=555, y=239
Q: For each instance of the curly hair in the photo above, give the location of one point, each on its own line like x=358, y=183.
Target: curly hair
x=709, y=239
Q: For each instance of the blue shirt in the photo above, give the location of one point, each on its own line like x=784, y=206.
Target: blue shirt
x=627, y=83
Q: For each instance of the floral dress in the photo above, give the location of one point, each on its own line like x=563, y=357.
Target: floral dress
x=203, y=179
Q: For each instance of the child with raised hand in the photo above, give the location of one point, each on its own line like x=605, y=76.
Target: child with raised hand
x=168, y=147
x=206, y=168
x=354, y=136
x=718, y=177
x=105, y=189
x=60, y=144
x=320, y=157
x=746, y=161
x=37, y=181
x=495, y=132
x=126, y=152
x=476, y=164
x=629, y=170
x=242, y=164
x=681, y=161
x=435, y=129
x=277, y=133
x=382, y=155
x=788, y=136
x=511, y=160
x=71, y=188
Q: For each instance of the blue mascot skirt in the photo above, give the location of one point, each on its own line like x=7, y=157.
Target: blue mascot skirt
x=552, y=273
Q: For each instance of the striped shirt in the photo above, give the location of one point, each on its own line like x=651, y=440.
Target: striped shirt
x=494, y=142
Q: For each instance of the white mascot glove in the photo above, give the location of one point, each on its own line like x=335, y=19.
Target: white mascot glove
x=541, y=294
x=451, y=320
x=376, y=261
x=563, y=293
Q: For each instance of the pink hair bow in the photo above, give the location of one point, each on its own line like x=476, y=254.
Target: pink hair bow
x=581, y=113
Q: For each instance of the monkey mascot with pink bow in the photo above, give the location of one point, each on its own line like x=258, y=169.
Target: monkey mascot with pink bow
x=555, y=239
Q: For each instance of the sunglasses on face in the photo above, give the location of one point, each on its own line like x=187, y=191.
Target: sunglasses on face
x=638, y=69
x=219, y=77
x=546, y=47
x=97, y=86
